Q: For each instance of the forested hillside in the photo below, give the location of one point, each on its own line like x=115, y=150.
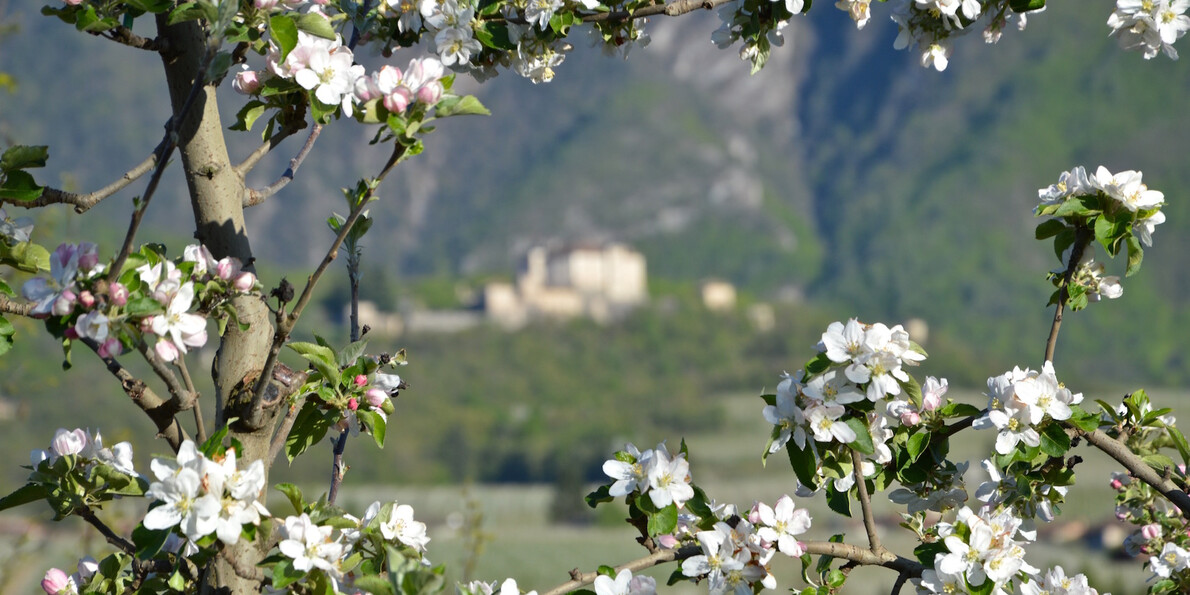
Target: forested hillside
x=844, y=171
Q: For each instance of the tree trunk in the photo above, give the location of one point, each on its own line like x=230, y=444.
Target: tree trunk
x=216, y=195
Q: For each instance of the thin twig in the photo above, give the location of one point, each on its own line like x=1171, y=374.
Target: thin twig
x=253, y=196
x=18, y=307
x=1136, y=466
x=265, y=148
x=282, y=432
x=286, y=322
x=337, y=469
x=1082, y=239
x=865, y=504
x=649, y=561
x=166, y=149
x=182, y=398
x=200, y=430
x=88, y=515
x=896, y=588
x=124, y=35
x=83, y=202
x=159, y=410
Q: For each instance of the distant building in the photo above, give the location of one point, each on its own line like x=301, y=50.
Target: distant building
x=601, y=282
x=717, y=295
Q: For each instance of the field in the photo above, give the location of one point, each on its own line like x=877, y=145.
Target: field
x=517, y=540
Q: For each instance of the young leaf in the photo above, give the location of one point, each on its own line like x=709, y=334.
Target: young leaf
x=1049, y=228
x=863, y=440
x=24, y=495
x=294, y=494
x=284, y=32
x=663, y=521
x=1136, y=255
x=20, y=157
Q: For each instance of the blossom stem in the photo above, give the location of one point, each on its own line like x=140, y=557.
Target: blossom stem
x=865, y=504
x=1082, y=239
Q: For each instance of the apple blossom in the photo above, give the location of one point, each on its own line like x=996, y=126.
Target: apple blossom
x=15, y=230
x=310, y=545
x=56, y=582
x=669, y=479
x=782, y=524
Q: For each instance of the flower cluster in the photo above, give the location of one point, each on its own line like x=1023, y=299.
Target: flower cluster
x=158, y=298
x=758, y=23
x=203, y=495
x=858, y=366
x=980, y=547
x=1019, y=401
x=665, y=478
x=508, y=587
x=737, y=549
x=1150, y=26
x=1125, y=191
x=88, y=450
x=331, y=547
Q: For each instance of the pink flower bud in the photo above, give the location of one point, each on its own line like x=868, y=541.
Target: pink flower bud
x=910, y=418
x=667, y=541
x=65, y=303
x=111, y=348
x=166, y=350
x=754, y=514
x=361, y=380
x=397, y=101
x=1151, y=531
x=70, y=333
x=244, y=282
x=1116, y=485
x=430, y=93
x=265, y=4
x=247, y=82
x=376, y=397
x=146, y=324
x=55, y=582
x=118, y=293
x=88, y=256
x=227, y=268
x=68, y=442
x=87, y=299
x=73, y=2
x=352, y=404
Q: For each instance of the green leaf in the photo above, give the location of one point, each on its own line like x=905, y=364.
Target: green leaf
x=284, y=32
x=190, y=11
x=1062, y=241
x=926, y=552
x=959, y=410
x=374, y=584
x=323, y=358
x=1080, y=206
x=663, y=521
x=19, y=186
x=316, y=25
x=840, y=502
x=284, y=574
x=176, y=581
x=818, y=365
x=494, y=35
x=6, y=290
x=309, y=428
x=351, y=353
x=1026, y=5
x=214, y=445
x=24, y=157
x=863, y=440
x=1136, y=256
x=599, y=496
x=1084, y=420
x=375, y=423
x=1109, y=233
x=1049, y=228
x=23, y=495
x=1179, y=442
x=148, y=542
x=1054, y=441
x=1158, y=462
x=917, y=444
x=804, y=464
x=912, y=390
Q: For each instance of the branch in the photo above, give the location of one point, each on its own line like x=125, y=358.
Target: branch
x=337, y=469
x=865, y=504
x=1137, y=467
x=285, y=323
x=254, y=197
x=83, y=202
x=896, y=588
x=124, y=35
x=88, y=515
x=655, y=559
x=673, y=9
x=18, y=307
x=1083, y=237
x=180, y=397
x=159, y=410
x=251, y=160
x=282, y=432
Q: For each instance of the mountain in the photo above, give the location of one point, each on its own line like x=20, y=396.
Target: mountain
x=844, y=170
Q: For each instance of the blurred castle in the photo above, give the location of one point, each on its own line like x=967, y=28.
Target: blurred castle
x=601, y=282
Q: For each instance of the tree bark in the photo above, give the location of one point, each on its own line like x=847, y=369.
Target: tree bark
x=216, y=195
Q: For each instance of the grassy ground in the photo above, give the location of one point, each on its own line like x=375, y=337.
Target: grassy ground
x=519, y=542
